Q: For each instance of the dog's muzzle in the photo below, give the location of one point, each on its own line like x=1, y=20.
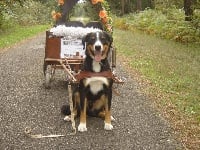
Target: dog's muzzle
x=97, y=53
x=97, y=47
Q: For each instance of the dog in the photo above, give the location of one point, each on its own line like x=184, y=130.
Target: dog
x=93, y=95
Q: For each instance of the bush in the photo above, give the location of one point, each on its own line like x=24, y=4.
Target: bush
x=169, y=25
x=29, y=13
x=120, y=23
x=6, y=22
x=32, y=12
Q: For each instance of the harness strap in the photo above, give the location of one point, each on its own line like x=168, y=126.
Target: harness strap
x=40, y=136
x=88, y=74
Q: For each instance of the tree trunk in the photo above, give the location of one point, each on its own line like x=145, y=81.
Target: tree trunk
x=123, y=6
x=151, y=3
x=139, y=5
x=128, y=4
x=188, y=10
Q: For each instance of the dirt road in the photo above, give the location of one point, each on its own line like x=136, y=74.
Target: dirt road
x=24, y=102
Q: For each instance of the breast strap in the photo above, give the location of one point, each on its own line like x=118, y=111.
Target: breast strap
x=88, y=74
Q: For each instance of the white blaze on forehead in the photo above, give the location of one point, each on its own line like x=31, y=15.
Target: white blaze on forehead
x=98, y=41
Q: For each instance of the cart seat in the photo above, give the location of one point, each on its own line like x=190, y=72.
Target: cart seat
x=74, y=24
x=94, y=24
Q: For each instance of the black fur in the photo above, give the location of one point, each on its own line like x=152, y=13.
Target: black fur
x=95, y=24
x=65, y=109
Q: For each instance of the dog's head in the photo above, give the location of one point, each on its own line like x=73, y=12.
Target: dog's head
x=97, y=45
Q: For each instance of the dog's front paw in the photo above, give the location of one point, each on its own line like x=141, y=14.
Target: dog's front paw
x=82, y=127
x=108, y=126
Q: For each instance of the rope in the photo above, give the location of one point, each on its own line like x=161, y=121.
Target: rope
x=71, y=108
x=28, y=132
x=40, y=136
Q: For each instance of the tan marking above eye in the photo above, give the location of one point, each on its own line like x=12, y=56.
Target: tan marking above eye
x=103, y=38
x=93, y=38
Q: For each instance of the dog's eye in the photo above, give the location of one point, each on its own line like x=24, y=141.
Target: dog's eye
x=92, y=38
x=103, y=39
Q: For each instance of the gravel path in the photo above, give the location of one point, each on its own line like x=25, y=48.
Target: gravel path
x=24, y=102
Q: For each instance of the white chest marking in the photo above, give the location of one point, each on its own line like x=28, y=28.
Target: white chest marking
x=96, y=84
x=96, y=66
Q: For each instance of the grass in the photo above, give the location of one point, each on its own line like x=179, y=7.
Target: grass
x=171, y=67
x=172, y=70
x=19, y=33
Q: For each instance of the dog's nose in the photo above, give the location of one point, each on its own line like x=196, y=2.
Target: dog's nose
x=98, y=47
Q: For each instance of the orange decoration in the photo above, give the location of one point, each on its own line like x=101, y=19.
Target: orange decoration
x=103, y=14
x=61, y=2
x=56, y=15
x=104, y=20
x=96, y=1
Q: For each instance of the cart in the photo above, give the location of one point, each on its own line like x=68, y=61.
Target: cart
x=68, y=54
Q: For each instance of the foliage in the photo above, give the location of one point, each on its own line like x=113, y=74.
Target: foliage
x=18, y=33
x=164, y=4
x=6, y=8
x=196, y=19
x=130, y=5
x=23, y=13
x=31, y=13
x=169, y=25
x=115, y=6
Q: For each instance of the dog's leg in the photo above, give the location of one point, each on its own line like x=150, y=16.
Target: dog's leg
x=76, y=104
x=108, y=125
x=82, y=126
x=102, y=115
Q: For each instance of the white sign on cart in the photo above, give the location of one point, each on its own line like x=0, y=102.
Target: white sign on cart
x=71, y=48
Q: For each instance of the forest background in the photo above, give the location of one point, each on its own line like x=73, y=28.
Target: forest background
x=171, y=19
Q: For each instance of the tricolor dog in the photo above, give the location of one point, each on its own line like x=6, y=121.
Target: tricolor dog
x=94, y=94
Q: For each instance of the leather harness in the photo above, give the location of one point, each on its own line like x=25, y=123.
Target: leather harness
x=88, y=74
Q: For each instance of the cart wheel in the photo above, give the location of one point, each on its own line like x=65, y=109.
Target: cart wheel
x=48, y=73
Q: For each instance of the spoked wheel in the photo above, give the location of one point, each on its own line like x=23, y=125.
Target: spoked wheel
x=49, y=71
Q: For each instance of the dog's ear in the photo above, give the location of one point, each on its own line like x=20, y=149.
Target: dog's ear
x=85, y=39
x=109, y=37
